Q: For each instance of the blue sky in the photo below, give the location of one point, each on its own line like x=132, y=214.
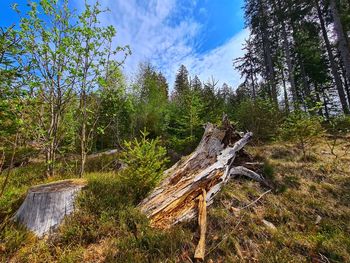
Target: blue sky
x=204, y=35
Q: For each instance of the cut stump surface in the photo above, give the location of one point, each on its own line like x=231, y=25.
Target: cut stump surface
x=46, y=205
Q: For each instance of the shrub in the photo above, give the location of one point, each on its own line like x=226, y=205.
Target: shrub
x=12, y=237
x=260, y=117
x=337, y=127
x=145, y=160
x=268, y=171
x=302, y=129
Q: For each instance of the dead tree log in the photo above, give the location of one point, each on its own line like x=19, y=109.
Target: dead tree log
x=45, y=206
x=218, y=157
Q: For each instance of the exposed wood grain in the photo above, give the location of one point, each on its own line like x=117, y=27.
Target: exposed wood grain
x=208, y=168
x=202, y=222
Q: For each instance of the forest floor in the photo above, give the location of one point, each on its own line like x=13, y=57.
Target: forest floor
x=305, y=218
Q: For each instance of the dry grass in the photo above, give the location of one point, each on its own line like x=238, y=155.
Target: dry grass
x=309, y=207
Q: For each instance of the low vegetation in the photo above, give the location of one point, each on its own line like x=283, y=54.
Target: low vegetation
x=67, y=110
x=308, y=207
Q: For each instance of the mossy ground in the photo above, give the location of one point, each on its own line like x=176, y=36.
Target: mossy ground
x=309, y=206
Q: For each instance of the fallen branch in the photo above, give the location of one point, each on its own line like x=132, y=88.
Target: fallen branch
x=240, y=170
x=225, y=236
x=256, y=200
x=202, y=222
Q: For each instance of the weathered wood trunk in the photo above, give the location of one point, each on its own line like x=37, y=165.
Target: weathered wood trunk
x=46, y=205
x=218, y=157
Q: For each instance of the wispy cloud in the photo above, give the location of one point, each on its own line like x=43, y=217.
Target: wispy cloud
x=166, y=33
x=219, y=61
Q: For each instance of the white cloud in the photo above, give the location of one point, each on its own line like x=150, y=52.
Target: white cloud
x=219, y=61
x=148, y=27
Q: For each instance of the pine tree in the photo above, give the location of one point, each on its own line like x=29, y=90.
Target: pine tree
x=152, y=101
x=182, y=85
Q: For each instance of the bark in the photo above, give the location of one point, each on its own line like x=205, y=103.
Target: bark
x=334, y=69
x=46, y=205
x=346, y=82
x=347, y=89
x=342, y=42
x=218, y=157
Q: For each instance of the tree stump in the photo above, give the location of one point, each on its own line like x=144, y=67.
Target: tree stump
x=218, y=157
x=45, y=206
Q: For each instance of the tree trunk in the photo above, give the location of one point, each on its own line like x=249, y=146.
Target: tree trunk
x=334, y=69
x=51, y=136
x=306, y=89
x=287, y=53
x=347, y=89
x=82, y=148
x=218, y=157
x=2, y=161
x=346, y=82
x=285, y=94
x=325, y=103
x=46, y=205
x=14, y=149
x=252, y=77
x=269, y=66
x=318, y=99
x=342, y=43
x=83, y=109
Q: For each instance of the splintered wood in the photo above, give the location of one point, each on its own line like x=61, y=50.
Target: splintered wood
x=218, y=157
x=202, y=222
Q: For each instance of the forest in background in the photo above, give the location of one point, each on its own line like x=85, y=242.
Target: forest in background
x=64, y=96
x=63, y=91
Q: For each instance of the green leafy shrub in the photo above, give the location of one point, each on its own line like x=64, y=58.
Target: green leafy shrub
x=260, y=117
x=301, y=129
x=103, y=193
x=20, y=180
x=145, y=160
